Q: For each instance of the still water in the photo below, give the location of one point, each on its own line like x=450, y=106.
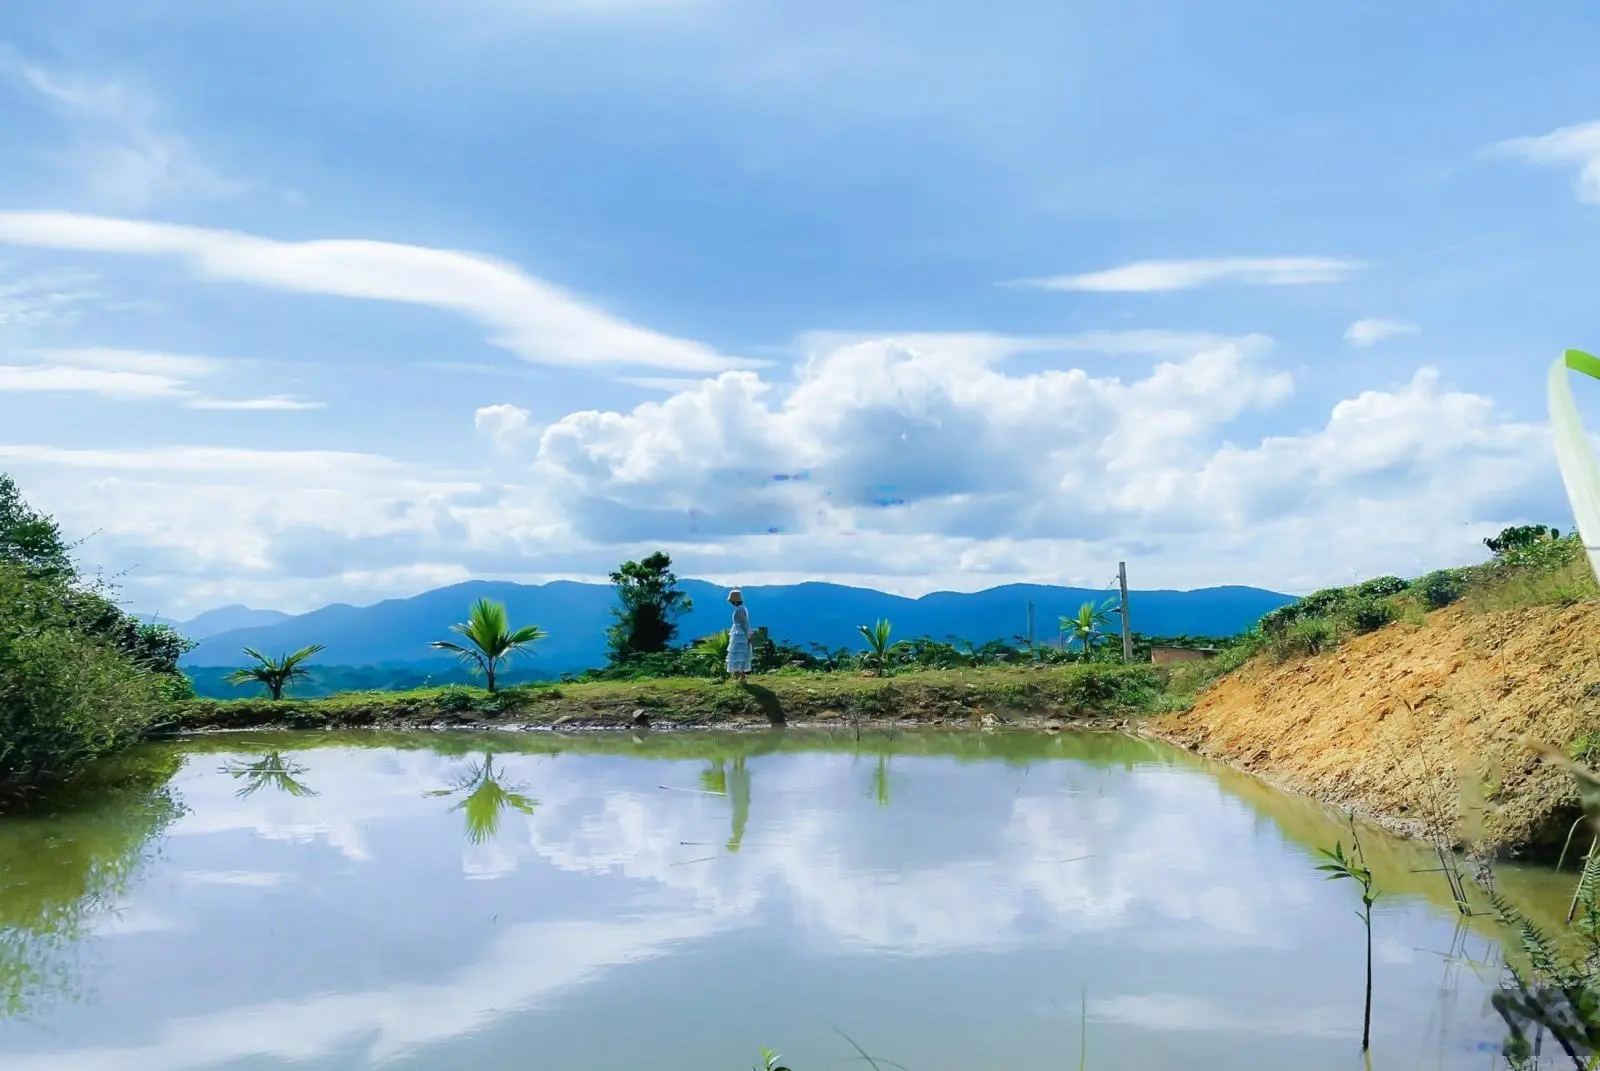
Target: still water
x=675, y=902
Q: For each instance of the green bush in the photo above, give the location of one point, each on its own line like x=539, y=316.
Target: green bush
x=1368, y=614
x=1307, y=636
x=1439, y=588
x=66, y=697
x=1380, y=587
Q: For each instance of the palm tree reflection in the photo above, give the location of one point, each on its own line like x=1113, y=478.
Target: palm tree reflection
x=485, y=799
x=270, y=769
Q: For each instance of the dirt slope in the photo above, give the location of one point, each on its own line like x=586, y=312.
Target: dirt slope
x=1383, y=724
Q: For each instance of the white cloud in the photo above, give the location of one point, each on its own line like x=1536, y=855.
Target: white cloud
x=1570, y=146
x=1157, y=276
x=43, y=299
x=132, y=375
x=507, y=426
x=1368, y=332
x=120, y=150
x=877, y=464
x=532, y=318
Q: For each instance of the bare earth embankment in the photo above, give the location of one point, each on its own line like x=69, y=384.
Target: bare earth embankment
x=1420, y=725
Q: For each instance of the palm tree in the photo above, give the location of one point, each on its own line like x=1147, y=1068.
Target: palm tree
x=275, y=673
x=490, y=640
x=1088, y=626
x=269, y=769
x=877, y=637
x=713, y=653
x=486, y=799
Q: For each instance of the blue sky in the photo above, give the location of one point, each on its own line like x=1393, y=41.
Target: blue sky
x=301, y=305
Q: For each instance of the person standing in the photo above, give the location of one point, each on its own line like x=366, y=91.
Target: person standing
x=739, y=653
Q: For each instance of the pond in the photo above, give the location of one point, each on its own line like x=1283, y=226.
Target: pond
x=505, y=900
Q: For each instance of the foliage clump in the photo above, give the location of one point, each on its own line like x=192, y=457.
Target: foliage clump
x=79, y=678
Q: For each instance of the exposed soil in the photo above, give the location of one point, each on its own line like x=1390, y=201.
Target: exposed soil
x=1421, y=726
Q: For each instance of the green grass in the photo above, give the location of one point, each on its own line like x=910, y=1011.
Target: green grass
x=1069, y=691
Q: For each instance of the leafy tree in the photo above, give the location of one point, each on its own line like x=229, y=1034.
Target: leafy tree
x=275, y=673
x=1519, y=537
x=489, y=637
x=649, y=604
x=1088, y=626
x=877, y=637
x=29, y=538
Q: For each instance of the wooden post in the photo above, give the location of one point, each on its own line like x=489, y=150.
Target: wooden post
x=1127, y=633
x=1030, y=626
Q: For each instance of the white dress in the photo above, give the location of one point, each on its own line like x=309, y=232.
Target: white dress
x=739, y=653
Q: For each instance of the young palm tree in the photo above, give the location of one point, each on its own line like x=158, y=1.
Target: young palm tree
x=486, y=799
x=275, y=673
x=877, y=637
x=1088, y=627
x=489, y=638
x=713, y=653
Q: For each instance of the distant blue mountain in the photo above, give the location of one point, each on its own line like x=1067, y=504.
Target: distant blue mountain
x=397, y=632
x=222, y=619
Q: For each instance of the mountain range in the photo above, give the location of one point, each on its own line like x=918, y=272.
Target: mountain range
x=575, y=617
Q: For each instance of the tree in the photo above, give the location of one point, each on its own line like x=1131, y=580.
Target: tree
x=649, y=604
x=29, y=538
x=877, y=637
x=270, y=769
x=1088, y=626
x=275, y=673
x=490, y=639
x=1518, y=537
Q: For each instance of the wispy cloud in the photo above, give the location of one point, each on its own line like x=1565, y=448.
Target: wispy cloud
x=986, y=347
x=292, y=464
x=119, y=147
x=532, y=318
x=1570, y=146
x=1156, y=276
x=1368, y=332
x=134, y=375
x=50, y=298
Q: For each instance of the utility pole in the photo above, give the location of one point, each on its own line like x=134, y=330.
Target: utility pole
x=1127, y=633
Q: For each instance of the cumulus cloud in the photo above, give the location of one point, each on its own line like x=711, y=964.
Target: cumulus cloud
x=506, y=426
x=131, y=375
x=1369, y=332
x=1156, y=276
x=1570, y=146
x=532, y=318
x=905, y=467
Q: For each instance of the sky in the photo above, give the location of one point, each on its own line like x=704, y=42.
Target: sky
x=306, y=303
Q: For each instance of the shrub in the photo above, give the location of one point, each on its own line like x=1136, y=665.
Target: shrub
x=1307, y=636
x=66, y=698
x=1368, y=614
x=1439, y=588
x=1380, y=587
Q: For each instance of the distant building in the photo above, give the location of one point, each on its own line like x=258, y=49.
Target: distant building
x=1161, y=654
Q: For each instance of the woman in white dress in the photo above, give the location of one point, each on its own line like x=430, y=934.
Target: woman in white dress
x=739, y=638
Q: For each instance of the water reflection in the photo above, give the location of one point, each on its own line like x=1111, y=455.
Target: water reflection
x=270, y=769
x=1014, y=873
x=485, y=798
x=64, y=871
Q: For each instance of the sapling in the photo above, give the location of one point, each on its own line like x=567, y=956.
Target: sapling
x=1354, y=867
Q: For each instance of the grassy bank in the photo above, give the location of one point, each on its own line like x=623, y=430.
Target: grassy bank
x=994, y=694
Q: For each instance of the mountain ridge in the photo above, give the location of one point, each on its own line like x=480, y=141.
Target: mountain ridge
x=575, y=615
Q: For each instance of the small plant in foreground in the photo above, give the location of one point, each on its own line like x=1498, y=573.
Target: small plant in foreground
x=769, y=1061
x=276, y=673
x=1354, y=868
x=490, y=639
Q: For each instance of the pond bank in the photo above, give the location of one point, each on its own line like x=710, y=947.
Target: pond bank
x=1022, y=696
x=1420, y=726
